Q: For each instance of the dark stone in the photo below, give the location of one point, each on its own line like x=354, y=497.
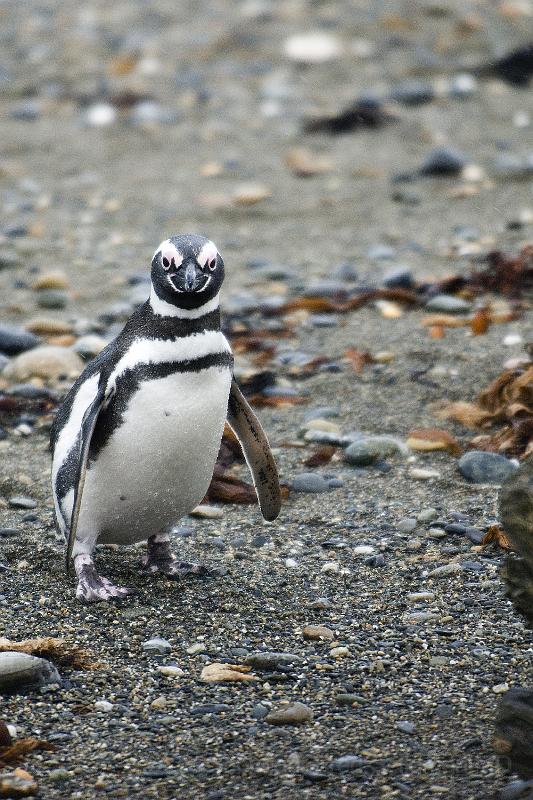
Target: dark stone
x=443, y=161
x=209, y=708
x=14, y=340
x=480, y=467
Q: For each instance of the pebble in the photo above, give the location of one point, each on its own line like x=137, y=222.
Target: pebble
x=423, y=473
x=500, y=688
x=413, y=93
x=350, y=699
x=380, y=252
x=363, y=550
x=268, y=661
x=474, y=534
x=310, y=482
x=260, y=711
x=157, y=645
x=427, y=515
x=52, y=298
x=196, y=648
x=420, y=597
x=21, y=501
x=322, y=412
x=463, y=85
x=416, y=617
x=207, y=512
x=443, y=161
x=406, y=727
x=15, y=340
x=315, y=47
x=368, y=450
x=407, y=525
x=339, y=652
x=58, y=775
x=170, y=671
x=210, y=708
x=18, y=783
x=51, y=280
x=480, y=467
x=509, y=166
x=444, y=711
x=47, y=362
x=103, y=705
x=89, y=346
x=448, y=304
x=347, y=763
x=446, y=569
x=45, y=326
x=291, y=714
x=317, y=632
x=19, y=671
x=100, y=115
x=7, y=532
x=399, y=277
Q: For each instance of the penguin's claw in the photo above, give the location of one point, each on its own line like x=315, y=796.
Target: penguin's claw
x=92, y=588
x=161, y=560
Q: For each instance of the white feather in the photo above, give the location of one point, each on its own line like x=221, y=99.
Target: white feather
x=165, y=309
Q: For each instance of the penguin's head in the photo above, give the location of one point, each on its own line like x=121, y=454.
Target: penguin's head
x=187, y=271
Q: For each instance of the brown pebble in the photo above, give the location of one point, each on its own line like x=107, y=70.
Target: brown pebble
x=318, y=632
x=291, y=714
x=45, y=326
x=51, y=280
x=62, y=341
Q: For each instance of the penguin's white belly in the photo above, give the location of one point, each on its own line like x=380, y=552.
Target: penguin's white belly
x=157, y=465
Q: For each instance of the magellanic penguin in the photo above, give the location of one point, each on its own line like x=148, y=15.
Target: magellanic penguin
x=136, y=439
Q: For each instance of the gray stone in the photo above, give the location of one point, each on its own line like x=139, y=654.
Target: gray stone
x=407, y=525
x=516, y=790
x=447, y=304
x=427, y=515
x=398, y=278
x=413, y=93
x=19, y=671
x=310, y=482
x=350, y=699
x=370, y=449
x=269, y=661
x=52, y=298
x=322, y=412
x=406, y=727
x=15, y=340
x=21, y=501
x=291, y=714
x=347, y=763
x=443, y=161
x=157, y=645
x=480, y=467
x=48, y=362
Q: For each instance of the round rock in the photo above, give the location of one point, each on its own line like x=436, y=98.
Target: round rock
x=480, y=467
x=310, y=482
x=15, y=340
x=291, y=714
x=48, y=362
x=370, y=449
x=20, y=671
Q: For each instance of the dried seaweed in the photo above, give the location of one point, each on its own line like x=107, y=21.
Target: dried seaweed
x=508, y=401
x=21, y=748
x=56, y=650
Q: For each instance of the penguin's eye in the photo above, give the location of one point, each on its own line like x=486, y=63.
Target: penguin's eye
x=212, y=264
x=166, y=262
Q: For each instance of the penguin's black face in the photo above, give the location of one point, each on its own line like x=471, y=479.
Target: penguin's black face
x=187, y=271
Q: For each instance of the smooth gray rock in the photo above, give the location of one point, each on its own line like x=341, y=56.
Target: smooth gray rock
x=310, y=482
x=269, y=661
x=370, y=449
x=480, y=467
x=447, y=304
x=15, y=340
x=347, y=763
x=157, y=645
x=291, y=714
x=443, y=161
x=20, y=671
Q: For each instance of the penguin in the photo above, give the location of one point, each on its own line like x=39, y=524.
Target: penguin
x=135, y=441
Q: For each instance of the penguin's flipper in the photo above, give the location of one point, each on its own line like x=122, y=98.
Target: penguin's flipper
x=256, y=448
x=88, y=424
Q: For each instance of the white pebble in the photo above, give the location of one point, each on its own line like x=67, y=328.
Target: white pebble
x=512, y=339
x=330, y=566
x=291, y=563
x=363, y=550
x=500, y=688
x=521, y=119
x=420, y=474
x=316, y=47
x=103, y=705
x=100, y=115
x=170, y=671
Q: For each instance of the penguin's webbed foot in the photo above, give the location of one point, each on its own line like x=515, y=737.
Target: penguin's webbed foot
x=161, y=560
x=92, y=588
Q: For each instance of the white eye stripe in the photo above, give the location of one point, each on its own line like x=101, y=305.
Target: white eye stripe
x=169, y=252
x=208, y=255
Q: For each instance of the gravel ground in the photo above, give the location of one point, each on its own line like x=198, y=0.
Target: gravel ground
x=93, y=200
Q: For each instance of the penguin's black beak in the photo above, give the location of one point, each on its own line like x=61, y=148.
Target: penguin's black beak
x=189, y=277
